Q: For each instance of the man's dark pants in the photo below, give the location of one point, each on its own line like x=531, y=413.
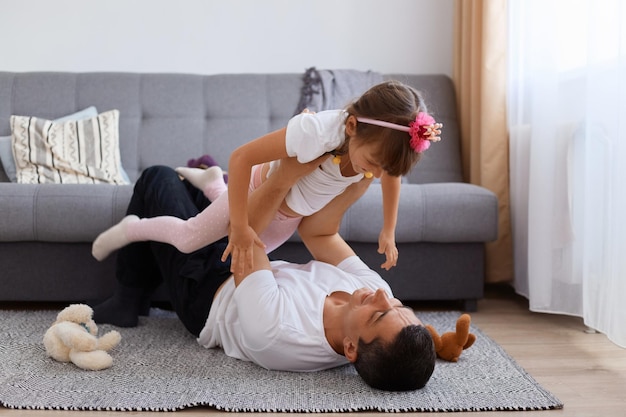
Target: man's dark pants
x=191, y=279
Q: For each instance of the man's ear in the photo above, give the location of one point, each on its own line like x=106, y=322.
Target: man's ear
x=351, y=123
x=349, y=349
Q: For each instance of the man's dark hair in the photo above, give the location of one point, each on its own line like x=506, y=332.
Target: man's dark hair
x=405, y=364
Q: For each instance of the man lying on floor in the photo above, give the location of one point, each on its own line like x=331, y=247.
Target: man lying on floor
x=280, y=315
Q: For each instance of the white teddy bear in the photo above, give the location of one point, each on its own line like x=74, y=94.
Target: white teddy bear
x=73, y=338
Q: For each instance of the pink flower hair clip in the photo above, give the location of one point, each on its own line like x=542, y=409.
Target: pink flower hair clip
x=423, y=130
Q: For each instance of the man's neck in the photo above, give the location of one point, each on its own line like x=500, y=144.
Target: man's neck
x=334, y=307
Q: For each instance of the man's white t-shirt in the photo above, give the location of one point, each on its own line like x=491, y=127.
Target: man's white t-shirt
x=275, y=318
x=309, y=136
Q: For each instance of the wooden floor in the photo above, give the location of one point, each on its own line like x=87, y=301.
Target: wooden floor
x=584, y=370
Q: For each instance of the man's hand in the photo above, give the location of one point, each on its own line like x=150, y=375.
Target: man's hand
x=241, y=247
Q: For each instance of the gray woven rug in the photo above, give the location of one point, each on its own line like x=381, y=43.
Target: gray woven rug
x=159, y=367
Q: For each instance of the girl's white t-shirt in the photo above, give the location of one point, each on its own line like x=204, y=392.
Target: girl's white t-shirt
x=275, y=318
x=309, y=136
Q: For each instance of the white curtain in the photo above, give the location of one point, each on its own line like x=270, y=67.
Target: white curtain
x=567, y=125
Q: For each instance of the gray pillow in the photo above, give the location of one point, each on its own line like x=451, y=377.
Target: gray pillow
x=6, y=157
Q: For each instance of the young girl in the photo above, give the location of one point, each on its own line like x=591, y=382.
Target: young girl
x=382, y=134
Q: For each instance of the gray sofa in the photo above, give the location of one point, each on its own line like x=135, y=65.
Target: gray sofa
x=46, y=230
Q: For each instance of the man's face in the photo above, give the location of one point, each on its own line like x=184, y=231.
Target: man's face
x=372, y=314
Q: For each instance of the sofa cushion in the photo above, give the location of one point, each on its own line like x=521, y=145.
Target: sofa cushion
x=443, y=212
x=75, y=151
x=446, y=212
x=60, y=212
x=436, y=213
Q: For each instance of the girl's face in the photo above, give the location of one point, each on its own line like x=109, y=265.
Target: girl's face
x=363, y=158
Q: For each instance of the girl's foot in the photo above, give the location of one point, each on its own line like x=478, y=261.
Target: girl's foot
x=210, y=180
x=112, y=239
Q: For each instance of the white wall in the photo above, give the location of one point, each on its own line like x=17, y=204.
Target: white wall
x=226, y=36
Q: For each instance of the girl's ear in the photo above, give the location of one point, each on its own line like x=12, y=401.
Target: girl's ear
x=351, y=123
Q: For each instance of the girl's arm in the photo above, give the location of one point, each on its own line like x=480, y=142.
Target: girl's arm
x=242, y=237
x=266, y=199
x=387, y=238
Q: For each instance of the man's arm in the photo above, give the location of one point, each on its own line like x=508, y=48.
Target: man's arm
x=320, y=231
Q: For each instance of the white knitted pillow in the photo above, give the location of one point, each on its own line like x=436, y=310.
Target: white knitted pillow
x=71, y=152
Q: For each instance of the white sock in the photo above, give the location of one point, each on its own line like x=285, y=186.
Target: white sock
x=210, y=180
x=112, y=239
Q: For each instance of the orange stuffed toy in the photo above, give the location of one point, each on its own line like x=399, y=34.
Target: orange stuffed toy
x=450, y=344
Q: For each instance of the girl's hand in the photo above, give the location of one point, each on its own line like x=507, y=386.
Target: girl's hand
x=240, y=247
x=387, y=245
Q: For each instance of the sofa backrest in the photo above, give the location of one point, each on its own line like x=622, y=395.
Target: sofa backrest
x=170, y=118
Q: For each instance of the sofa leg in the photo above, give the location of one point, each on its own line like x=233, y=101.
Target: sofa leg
x=470, y=305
